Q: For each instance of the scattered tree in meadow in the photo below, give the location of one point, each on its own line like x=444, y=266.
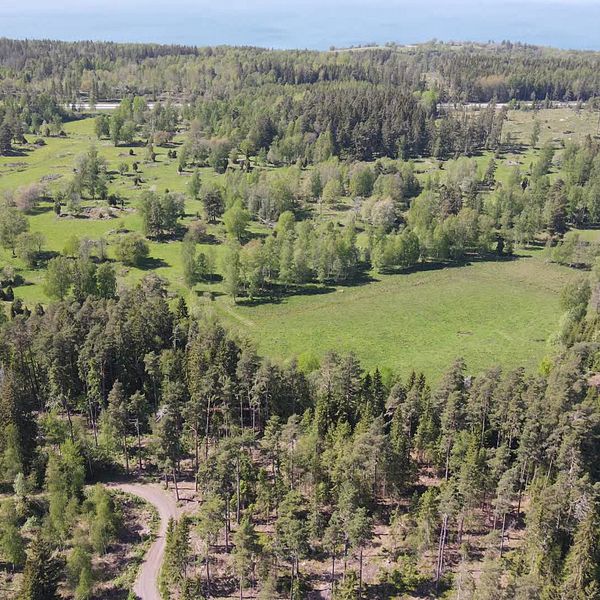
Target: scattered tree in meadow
x=160, y=213
x=194, y=186
x=212, y=199
x=12, y=224
x=131, y=249
x=28, y=247
x=535, y=133
x=58, y=278
x=236, y=221
x=90, y=173
x=106, y=281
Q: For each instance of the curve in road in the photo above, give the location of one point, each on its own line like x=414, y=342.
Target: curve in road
x=146, y=583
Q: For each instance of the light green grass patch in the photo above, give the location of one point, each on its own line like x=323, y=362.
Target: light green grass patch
x=489, y=313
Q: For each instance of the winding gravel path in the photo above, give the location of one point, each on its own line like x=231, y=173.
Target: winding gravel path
x=146, y=583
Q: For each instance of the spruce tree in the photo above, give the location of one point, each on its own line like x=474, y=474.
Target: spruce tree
x=41, y=574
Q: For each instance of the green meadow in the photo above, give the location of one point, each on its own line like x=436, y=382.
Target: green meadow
x=488, y=312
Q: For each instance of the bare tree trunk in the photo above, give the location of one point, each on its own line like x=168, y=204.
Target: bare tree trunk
x=237, y=490
x=175, y=483
x=520, y=489
x=345, y=560
x=93, y=422
x=483, y=427
x=126, y=453
x=69, y=419
x=139, y=444
x=502, y=535
x=208, y=574
x=441, y=549
x=207, y=430
x=227, y=525
x=242, y=412
x=332, y=572
x=360, y=572
x=196, y=450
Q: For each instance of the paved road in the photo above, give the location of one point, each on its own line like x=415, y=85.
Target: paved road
x=146, y=584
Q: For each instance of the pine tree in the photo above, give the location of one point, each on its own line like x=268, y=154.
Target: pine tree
x=290, y=534
x=211, y=521
x=104, y=524
x=400, y=467
x=12, y=544
x=178, y=554
x=167, y=573
x=194, y=185
x=581, y=573
x=360, y=532
x=169, y=430
x=117, y=418
x=333, y=541
x=246, y=552
x=41, y=574
x=84, y=588
x=18, y=429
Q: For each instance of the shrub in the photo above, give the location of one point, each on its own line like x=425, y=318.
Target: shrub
x=131, y=249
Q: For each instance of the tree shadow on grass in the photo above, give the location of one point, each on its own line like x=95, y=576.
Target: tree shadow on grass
x=45, y=255
x=18, y=152
x=278, y=293
x=362, y=277
x=255, y=235
x=202, y=293
x=467, y=261
x=210, y=240
x=41, y=209
x=150, y=263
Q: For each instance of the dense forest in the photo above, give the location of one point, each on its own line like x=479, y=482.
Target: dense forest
x=363, y=104
x=266, y=175
x=324, y=457
x=460, y=72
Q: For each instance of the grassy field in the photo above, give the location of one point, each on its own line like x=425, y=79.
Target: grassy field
x=56, y=158
x=494, y=312
x=489, y=313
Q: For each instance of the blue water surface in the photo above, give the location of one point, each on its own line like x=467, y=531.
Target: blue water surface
x=317, y=24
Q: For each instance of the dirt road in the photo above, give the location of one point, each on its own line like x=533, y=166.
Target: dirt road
x=146, y=584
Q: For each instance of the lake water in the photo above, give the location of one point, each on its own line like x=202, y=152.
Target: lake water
x=315, y=24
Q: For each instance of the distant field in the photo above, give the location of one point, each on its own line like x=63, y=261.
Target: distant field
x=556, y=124
x=498, y=312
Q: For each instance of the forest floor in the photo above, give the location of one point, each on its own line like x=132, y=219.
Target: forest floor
x=380, y=556
x=115, y=571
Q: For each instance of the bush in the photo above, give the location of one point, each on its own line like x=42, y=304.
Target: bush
x=29, y=247
x=28, y=196
x=131, y=249
x=196, y=231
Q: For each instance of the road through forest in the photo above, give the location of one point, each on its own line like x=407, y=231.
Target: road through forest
x=146, y=583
